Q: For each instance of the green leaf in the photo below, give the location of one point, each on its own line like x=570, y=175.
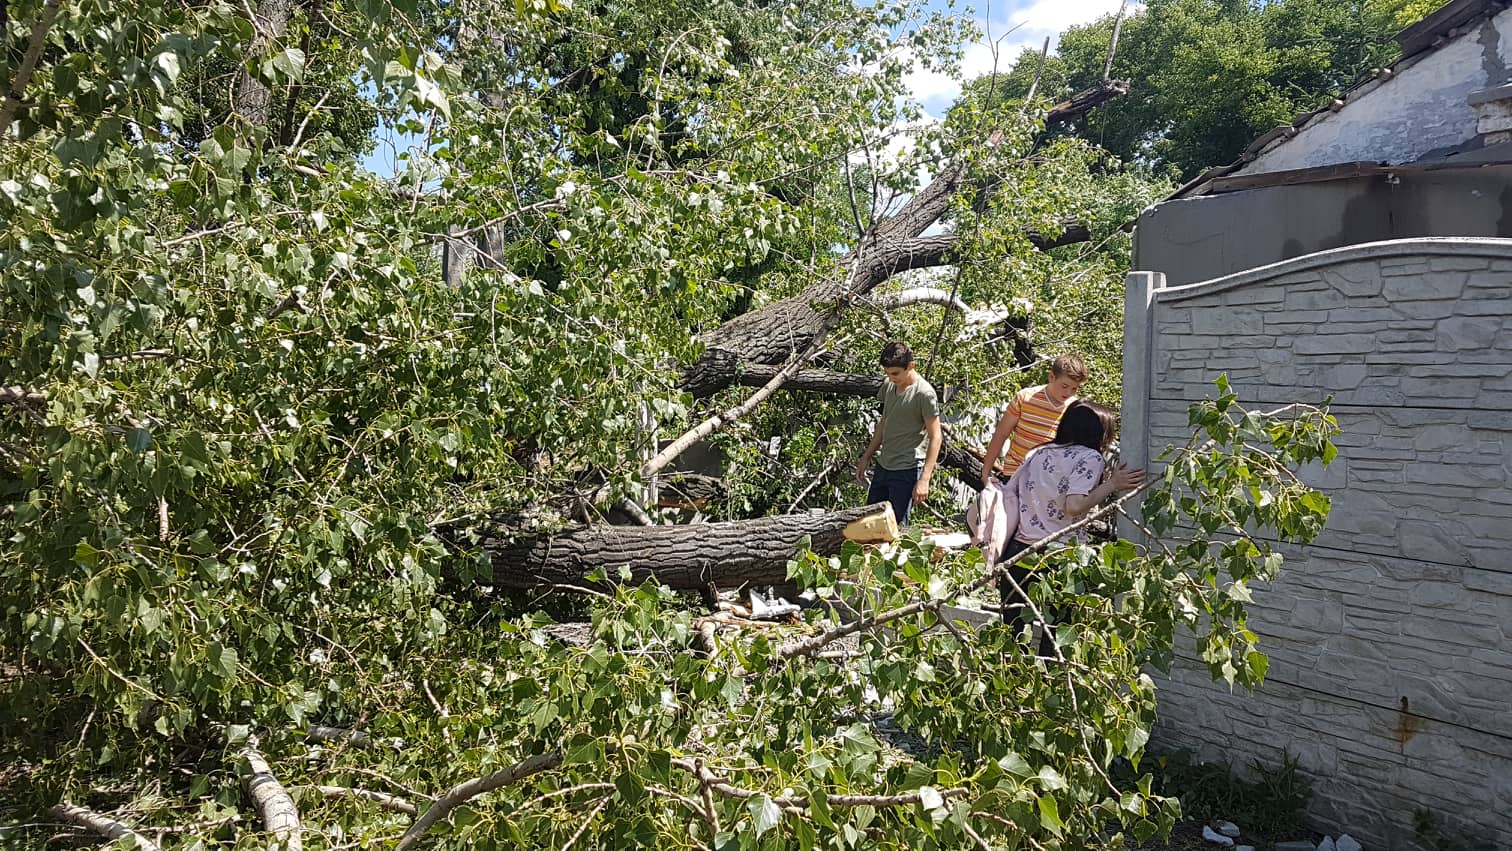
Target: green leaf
x=290, y=63
x=1258, y=663
x=1049, y=812
x=630, y=788
x=168, y=63
x=1050, y=779
x=86, y=555
x=1015, y=765
x=765, y=814
x=139, y=439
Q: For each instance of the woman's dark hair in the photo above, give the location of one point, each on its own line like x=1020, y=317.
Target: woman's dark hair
x=1087, y=424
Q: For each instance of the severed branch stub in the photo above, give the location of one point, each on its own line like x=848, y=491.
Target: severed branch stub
x=279, y=815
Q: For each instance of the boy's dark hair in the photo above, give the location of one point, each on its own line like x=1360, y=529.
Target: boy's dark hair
x=897, y=354
x=1087, y=424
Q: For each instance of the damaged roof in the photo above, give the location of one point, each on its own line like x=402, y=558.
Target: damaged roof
x=1450, y=21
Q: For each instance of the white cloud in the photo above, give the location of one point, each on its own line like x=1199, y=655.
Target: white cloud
x=1023, y=27
x=1047, y=17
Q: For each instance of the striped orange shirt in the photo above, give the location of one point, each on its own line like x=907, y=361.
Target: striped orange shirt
x=1038, y=418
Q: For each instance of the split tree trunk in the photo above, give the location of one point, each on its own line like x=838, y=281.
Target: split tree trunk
x=773, y=334
x=688, y=557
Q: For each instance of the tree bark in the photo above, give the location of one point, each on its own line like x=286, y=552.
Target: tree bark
x=772, y=334
x=812, y=380
x=252, y=101
x=690, y=557
x=280, y=816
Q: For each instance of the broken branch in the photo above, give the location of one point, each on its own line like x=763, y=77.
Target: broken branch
x=101, y=824
x=469, y=789
x=279, y=815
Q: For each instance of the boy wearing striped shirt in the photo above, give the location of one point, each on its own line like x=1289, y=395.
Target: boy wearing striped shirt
x=1033, y=415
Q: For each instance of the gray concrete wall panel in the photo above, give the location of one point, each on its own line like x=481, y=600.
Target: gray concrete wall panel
x=1391, y=636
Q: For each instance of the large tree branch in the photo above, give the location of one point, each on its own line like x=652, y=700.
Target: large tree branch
x=279, y=815
x=728, y=554
x=1085, y=101
x=770, y=335
x=17, y=91
x=812, y=380
x=100, y=824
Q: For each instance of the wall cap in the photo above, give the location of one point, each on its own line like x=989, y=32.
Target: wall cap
x=1458, y=246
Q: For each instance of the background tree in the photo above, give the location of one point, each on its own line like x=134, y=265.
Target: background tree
x=1207, y=77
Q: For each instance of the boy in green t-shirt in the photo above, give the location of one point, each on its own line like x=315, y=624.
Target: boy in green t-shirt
x=906, y=441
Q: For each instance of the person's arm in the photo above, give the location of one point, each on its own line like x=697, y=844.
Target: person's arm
x=1005, y=427
x=1125, y=478
x=871, y=450
x=936, y=437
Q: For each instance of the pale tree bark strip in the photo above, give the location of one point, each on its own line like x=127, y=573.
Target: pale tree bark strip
x=100, y=824
x=921, y=295
x=274, y=805
x=381, y=799
x=17, y=91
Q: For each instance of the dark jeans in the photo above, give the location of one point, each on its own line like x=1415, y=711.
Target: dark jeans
x=896, y=487
x=1019, y=614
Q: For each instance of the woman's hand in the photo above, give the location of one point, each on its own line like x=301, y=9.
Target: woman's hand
x=1126, y=478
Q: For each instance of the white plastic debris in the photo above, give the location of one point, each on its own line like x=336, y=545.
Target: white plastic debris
x=764, y=611
x=950, y=540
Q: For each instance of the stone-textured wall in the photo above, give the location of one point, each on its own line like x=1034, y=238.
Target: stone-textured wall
x=1391, y=636
x=1421, y=109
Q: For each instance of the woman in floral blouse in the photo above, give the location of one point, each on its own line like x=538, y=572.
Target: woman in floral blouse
x=1057, y=484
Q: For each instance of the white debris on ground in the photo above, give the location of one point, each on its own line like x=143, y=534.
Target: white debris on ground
x=1215, y=837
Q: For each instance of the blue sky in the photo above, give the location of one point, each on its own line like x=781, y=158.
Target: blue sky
x=1030, y=21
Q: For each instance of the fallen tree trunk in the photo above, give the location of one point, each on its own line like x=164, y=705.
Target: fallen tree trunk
x=687, y=557
x=813, y=380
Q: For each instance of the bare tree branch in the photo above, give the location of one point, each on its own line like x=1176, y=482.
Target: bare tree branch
x=469, y=789
x=1038, y=75
x=1113, y=42
x=17, y=91
x=382, y=799
x=728, y=790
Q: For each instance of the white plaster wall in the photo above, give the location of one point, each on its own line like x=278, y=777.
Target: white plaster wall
x=1421, y=109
